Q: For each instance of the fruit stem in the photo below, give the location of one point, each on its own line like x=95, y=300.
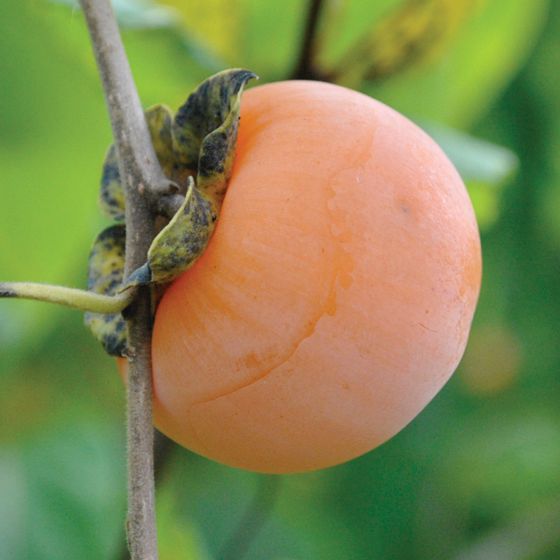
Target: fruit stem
x=70, y=297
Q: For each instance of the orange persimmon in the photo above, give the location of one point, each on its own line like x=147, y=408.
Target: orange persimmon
x=336, y=295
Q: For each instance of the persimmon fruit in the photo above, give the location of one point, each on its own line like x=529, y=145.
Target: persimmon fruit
x=336, y=295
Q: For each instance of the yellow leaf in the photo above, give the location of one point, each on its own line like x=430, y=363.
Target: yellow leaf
x=413, y=33
x=215, y=23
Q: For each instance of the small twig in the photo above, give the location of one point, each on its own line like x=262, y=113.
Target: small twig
x=141, y=173
x=163, y=451
x=70, y=297
x=305, y=67
x=256, y=515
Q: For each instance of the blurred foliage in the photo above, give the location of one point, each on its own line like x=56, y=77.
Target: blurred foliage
x=475, y=476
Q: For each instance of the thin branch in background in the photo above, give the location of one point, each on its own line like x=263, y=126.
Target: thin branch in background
x=254, y=519
x=142, y=174
x=163, y=451
x=305, y=67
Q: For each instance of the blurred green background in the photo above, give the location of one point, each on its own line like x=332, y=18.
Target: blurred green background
x=477, y=475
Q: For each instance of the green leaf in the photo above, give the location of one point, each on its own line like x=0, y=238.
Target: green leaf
x=486, y=203
x=105, y=275
x=459, y=88
x=483, y=166
x=475, y=159
x=408, y=36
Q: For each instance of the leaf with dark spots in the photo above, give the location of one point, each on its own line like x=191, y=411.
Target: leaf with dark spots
x=112, y=193
x=217, y=151
x=180, y=243
x=105, y=275
x=201, y=138
x=205, y=111
x=159, y=120
x=412, y=34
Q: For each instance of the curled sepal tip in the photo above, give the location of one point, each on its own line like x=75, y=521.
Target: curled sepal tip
x=206, y=110
x=203, y=135
x=180, y=242
x=105, y=275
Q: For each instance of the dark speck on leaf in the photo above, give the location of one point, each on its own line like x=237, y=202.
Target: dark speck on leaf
x=114, y=345
x=5, y=292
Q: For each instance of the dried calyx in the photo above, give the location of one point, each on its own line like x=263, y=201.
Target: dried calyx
x=195, y=148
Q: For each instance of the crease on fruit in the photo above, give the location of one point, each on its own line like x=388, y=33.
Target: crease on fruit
x=425, y=327
x=253, y=381
x=262, y=375
x=342, y=272
x=343, y=267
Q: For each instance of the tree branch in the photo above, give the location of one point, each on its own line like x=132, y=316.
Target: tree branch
x=305, y=68
x=141, y=174
x=163, y=452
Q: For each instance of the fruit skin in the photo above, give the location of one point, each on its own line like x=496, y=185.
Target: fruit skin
x=336, y=296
